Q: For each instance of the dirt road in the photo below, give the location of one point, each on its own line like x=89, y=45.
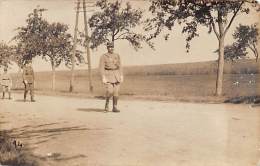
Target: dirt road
x=64, y=131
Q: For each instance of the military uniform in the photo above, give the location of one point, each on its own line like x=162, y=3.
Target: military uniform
x=112, y=75
x=28, y=80
x=6, y=82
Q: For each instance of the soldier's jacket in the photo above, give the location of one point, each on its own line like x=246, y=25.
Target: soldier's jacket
x=6, y=80
x=28, y=74
x=110, y=67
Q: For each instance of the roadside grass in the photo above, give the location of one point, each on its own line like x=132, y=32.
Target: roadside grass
x=14, y=154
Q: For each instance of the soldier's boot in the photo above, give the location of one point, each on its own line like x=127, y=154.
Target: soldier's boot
x=115, y=99
x=107, y=104
x=3, y=95
x=9, y=94
x=24, y=96
x=32, y=95
x=32, y=99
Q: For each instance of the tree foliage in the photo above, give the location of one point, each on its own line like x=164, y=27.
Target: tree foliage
x=58, y=45
x=234, y=52
x=5, y=54
x=247, y=37
x=193, y=13
x=51, y=41
x=30, y=38
x=113, y=22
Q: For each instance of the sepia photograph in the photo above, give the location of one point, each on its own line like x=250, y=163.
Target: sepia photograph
x=129, y=83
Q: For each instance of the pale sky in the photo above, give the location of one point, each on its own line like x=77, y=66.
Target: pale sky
x=13, y=14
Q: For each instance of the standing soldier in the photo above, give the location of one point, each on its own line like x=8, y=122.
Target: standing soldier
x=28, y=80
x=6, y=82
x=112, y=75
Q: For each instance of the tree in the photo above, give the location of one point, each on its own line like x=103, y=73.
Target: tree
x=247, y=37
x=52, y=42
x=113, y=22
x=234, y=52
x=216, y=15
x=57, y=47
x=30, y=38
x=6, y=54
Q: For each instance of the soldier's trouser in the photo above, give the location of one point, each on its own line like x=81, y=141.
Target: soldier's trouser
x=6, y=88
x=112, y=89
x=29, y=87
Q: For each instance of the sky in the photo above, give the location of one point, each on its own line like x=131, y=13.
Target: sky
x=13, y=14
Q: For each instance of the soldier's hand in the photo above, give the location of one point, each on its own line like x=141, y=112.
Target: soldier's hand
x=104, y=80
x=25, y=81
x=122, y=79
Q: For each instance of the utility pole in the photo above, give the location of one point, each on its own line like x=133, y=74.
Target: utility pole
x=74, y=49
x=87, y=46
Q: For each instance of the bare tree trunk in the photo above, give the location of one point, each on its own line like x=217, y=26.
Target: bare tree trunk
x=220, y=74
x=53, y=77
x=18, y=77
x=87, y=47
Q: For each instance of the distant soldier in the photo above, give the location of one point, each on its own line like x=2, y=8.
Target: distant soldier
x=112, y=75
x=6, y=82
x=28, y=80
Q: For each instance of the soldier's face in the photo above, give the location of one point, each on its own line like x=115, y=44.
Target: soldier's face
x=110, y=49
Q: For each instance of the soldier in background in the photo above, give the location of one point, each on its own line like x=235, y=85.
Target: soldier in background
x=28, y=80
x=6, y=82
x=112, y=75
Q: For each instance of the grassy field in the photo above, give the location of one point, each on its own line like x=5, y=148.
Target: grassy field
x=172, y=80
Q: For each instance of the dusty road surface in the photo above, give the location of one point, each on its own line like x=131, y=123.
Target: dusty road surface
x=64, y=131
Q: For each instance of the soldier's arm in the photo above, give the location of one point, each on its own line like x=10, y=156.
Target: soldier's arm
x=33, y=74
x=1, y=80
x=120, y=65
x=10, y=79
x=23, y=74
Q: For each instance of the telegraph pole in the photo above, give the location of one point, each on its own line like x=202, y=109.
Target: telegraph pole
x=74, y=49
x=87, y=46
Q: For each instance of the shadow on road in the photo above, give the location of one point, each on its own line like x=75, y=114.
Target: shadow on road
x=90, y=110
x=244, y=99
x=58, y=157
x=43, y=132
x=3, y=122
x=19, y=100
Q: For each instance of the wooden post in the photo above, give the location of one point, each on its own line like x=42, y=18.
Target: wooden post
x=87, y=46
x=74, y=49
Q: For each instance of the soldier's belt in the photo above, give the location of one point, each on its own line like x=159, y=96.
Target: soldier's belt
x=6, y=79
x=111, y=69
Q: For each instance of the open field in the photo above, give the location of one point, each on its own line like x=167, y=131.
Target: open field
x=176, y=80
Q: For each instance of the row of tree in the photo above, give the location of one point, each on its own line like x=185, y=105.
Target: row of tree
x=113, y=22
x=50, y=41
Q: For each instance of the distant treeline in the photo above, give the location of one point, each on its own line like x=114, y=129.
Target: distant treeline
x=238, y=67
